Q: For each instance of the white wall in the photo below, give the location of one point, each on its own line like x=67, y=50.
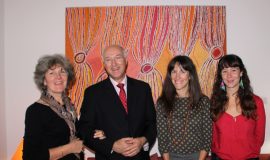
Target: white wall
x=3, y=141
x=33, y=28
x=248, y=34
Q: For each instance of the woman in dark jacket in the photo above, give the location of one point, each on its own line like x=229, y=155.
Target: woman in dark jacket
x=50, y=121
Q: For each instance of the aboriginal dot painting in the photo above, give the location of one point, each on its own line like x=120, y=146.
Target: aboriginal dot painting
x=151, y=36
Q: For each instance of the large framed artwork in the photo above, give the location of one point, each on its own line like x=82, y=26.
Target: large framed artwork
x=151, y=35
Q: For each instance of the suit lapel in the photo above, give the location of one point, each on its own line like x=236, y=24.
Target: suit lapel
x=112, y=94
x=130, y=95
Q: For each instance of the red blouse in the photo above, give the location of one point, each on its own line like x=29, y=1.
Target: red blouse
x=239, y=138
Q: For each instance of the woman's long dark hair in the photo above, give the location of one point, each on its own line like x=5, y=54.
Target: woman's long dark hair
x=219, y=97
x=168, y=90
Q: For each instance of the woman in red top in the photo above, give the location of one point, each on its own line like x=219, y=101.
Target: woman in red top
x=238, y=114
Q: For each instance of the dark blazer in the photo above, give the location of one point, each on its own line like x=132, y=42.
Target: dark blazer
x=102, y=109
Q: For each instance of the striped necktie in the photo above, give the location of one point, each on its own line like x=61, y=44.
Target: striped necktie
x=122, y=96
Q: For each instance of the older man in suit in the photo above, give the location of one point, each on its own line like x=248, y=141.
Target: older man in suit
x=122, y=108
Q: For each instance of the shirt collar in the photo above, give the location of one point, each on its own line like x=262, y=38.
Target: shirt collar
x=124, y=81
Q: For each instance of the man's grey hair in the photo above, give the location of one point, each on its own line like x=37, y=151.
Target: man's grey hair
x=122, y=50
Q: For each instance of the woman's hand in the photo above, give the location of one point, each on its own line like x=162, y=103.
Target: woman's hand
x=166, y=156
x=99, y=134
x=76, y=146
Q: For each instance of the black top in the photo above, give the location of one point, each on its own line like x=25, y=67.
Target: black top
x=44, y=129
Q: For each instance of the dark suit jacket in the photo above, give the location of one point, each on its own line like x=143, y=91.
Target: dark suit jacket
x=102, y=109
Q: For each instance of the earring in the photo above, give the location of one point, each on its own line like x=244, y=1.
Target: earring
x=222, y=86
x=241, y=84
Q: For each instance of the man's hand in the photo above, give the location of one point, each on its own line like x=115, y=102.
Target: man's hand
x=121, y=145
x=135, y=145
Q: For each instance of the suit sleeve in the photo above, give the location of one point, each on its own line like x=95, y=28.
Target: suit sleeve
x=33, y=147
x=151, y=129
x=87, y=125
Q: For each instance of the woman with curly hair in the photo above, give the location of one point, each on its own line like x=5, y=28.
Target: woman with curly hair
x=238, y=114
x=50, y=131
